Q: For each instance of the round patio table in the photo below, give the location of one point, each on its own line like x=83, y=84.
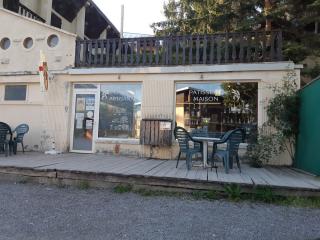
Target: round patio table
x=205, y=141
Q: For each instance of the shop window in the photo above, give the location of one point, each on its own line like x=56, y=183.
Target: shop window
x=218, y=107
x=15, y=93
x=120, y=111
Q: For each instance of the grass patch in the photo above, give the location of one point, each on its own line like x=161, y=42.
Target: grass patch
x=207, y=195
x=123, y=188
x=156, y=193
x=264, y=194
x=232, y=192
x=83, y=185
x=24, y=180
x=305, y=202
x=60, y=184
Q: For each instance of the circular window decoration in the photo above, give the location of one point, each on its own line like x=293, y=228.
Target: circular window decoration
x=53, y=40
x=5, y=43
x=28, y=43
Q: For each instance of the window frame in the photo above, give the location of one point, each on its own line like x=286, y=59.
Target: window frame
x=113, y=139
x=2, y=47
x=24, y=41
x=15, y=101
x=50, y=36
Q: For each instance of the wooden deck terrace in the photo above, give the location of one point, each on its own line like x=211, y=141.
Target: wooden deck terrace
x=100, y=170
x=224, y=48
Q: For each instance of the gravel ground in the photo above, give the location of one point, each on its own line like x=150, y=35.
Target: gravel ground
x=42, y=212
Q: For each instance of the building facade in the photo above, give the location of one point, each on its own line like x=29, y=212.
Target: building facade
x=101, y=89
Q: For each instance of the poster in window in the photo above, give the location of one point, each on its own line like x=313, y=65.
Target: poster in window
x=80, y=105
x=89, y=124
x=90, y=104
x=80, y=116
x=79, y=123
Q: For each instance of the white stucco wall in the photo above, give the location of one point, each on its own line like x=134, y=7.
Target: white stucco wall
x=19, y=59
x=158, y=98
x=29, y=111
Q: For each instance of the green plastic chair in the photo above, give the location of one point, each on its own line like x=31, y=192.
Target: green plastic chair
x=20, y=131
x=184, y=138
x=5, y=143
x=233, y=138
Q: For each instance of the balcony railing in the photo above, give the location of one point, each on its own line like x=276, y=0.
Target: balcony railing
x=24, y=11
x=248, y=47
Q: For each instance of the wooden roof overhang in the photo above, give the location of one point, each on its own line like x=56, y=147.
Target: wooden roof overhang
x=96, y=21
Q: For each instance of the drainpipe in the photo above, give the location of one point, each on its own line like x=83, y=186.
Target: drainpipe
x=122, y=21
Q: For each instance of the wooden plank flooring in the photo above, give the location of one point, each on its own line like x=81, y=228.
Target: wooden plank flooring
x=126, y=166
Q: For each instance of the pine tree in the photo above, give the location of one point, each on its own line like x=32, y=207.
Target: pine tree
x=208, y=16
x=298, y=19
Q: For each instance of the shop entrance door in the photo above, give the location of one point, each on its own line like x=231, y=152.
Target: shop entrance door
x=84, y=119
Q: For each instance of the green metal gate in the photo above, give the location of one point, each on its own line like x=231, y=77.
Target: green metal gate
x=308, y=142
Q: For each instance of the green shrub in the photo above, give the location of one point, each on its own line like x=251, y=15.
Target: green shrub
x=83, y=185
x=123, y=188
x=264, y=194
x=312, y=72
x=209, y=195
x=295, y=52
x=233, y=192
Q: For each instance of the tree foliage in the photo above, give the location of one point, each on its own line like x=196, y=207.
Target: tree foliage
x=297, y=18
x=208, y=16
x=283, y=112
x=279, y=133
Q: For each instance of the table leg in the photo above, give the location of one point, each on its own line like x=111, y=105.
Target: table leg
x=205, y=153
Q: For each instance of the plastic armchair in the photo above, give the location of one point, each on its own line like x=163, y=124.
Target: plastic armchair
x=184, y=139
x=20, y=131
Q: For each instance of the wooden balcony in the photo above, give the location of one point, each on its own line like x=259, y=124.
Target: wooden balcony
x=245, y=47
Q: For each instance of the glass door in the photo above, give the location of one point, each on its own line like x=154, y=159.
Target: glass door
x=84, y=115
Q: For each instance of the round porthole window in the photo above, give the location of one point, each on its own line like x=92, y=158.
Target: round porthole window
x=5, y=43
x=53, y=40
x=28, y=43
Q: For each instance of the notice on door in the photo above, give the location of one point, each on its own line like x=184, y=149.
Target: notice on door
x=90, y=104
x=79, y=120
x=89, y=124
x=79, y=123
x=80, y=104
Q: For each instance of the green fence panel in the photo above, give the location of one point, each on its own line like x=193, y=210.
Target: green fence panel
x=308, y=142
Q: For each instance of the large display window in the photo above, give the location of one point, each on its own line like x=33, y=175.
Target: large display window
x=120, y=110
x=218, y=107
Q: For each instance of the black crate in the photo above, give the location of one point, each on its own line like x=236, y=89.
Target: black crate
x=156, y=132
